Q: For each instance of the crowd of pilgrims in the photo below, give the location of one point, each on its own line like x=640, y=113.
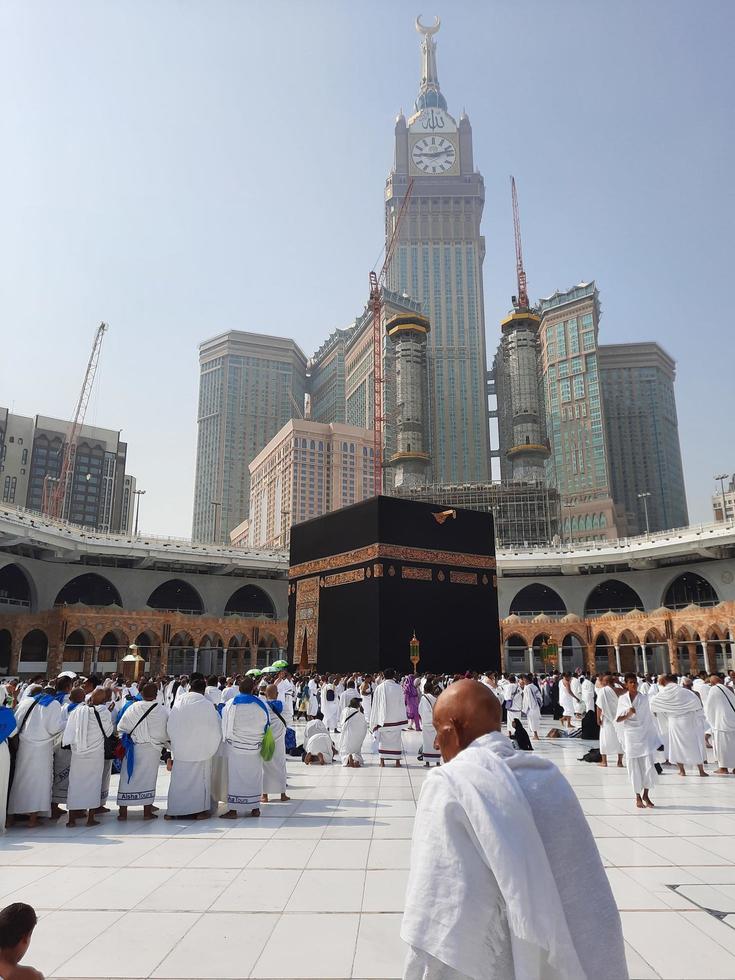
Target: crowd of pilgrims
x=226, y=739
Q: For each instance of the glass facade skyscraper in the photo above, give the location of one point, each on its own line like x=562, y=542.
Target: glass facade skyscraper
x=643, y=435
x=250, y=385
x=578, y=465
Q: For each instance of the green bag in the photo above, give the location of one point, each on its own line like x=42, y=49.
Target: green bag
x=268, y=745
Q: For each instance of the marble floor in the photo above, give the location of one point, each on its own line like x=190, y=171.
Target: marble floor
x=315, y=887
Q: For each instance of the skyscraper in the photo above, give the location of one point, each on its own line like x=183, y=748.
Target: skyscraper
x=579, y=463
x=250, y=385
x=306, y=470
x=438, y=262
x=643, y=435
x=31, y=451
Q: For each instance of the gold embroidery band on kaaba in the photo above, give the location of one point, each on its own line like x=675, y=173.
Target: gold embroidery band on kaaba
x=392, y=551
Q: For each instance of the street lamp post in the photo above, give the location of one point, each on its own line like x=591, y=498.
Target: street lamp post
x=722, y=477
x=138, y=494
x=644, y=497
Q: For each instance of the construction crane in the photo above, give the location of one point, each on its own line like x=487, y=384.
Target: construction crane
x=521, y=300
x=55, y=498
x=376, y=304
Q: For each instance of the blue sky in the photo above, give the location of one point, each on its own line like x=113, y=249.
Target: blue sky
x=181, y=168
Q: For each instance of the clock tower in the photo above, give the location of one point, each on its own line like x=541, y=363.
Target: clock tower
x=438, y=261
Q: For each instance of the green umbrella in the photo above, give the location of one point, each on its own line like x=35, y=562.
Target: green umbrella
x=254, y=672
x=280, y=664
x=270, y=670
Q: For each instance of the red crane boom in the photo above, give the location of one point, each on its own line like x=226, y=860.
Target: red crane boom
x=376, y=304
x=520, y=271
x=55, y=500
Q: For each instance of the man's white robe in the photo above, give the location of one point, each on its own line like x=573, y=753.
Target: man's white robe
x=287, y=696
x=610, y=736
x=149, y=735
x=514, y=694
x=683, y=710
x=531, y=706
x=588, y=694
x=34, y=762
x=720, y=711
x=317, y=740
x=428, y=732
x=274, y=770
x=86, y=739
x=195, y=733
x=489, y=893
x=243, y=726
x=388, y=715
x=640, y=741
x=346, y=696
x=330, y=709
x=62, y=759
x=4, y=777
x=213, y=694
x=353, y=728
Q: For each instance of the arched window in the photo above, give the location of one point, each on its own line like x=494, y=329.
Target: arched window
x=690, y=589
x=612, y=596
x=89, y=590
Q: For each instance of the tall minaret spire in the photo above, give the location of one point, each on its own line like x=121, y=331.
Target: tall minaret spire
x=429, y=94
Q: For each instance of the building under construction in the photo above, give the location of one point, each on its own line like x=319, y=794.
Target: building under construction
x=526, y=514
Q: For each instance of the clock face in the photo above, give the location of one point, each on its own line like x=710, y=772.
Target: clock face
x=433, y=154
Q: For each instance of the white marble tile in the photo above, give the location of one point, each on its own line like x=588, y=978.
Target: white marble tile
x=189, y=890
x=227, y=854
x=380, y=950
x=630, y=894
x=336, y=937
x=15, y=877
x=60, y=935
x=638, y=969
x=122, y=889
x=219, y=945
x=672, y=944
x=284, y=854
x=258, y=890
x=139, y=958
x=337, y=854
x=389, y=854
x=393, y=827
x=328, y=891
x=385, y=890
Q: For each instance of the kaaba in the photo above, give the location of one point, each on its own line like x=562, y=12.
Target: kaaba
x=364, y=579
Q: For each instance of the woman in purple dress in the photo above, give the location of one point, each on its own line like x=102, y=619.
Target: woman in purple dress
x=411, y=697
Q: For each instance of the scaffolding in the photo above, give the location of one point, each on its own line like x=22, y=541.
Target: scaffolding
x=526, y=514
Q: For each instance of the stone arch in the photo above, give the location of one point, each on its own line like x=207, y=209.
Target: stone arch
x=238, y=654
x=33, y=653
x=573, y=651
x=17, y=588
x=181, y=653
x=175, y=595
x=268, y=650
x=149, y=647
x=113, y=647
x=689, y=589
x=516, y=653
x=211, y=654
x=604, y=653
x=78, y=650
x=612, y=595
x=250, y=601
x=629, y=645
x=537, y=598
x=89, y=589
x=6, y=651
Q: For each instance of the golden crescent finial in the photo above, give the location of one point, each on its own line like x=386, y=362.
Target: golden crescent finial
x=427, y=30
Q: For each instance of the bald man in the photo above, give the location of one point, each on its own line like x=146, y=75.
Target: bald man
x=489, y=892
